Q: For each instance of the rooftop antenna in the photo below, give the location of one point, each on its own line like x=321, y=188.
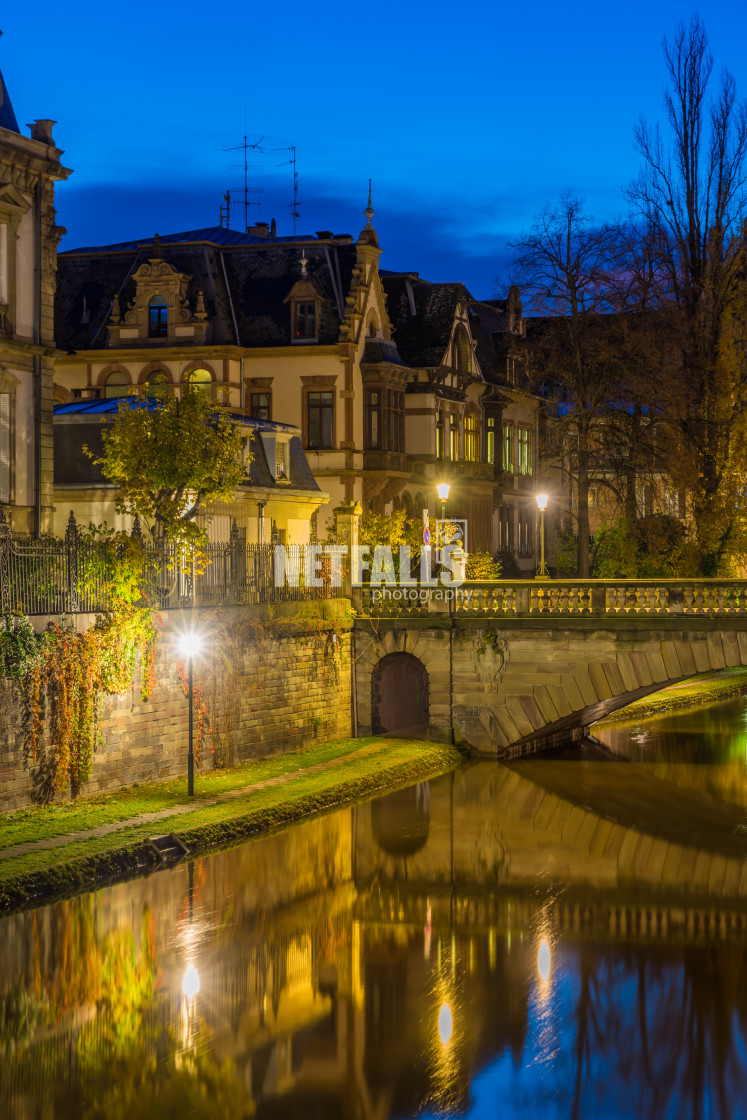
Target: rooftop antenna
x=288, y=162
x=225, y=210
x=246, y=190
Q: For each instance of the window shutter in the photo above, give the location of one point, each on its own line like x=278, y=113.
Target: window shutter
x=3, y=262
x=4, y=447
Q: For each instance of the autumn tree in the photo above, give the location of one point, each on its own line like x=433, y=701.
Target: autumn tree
x=170, y=459
x=692, y=190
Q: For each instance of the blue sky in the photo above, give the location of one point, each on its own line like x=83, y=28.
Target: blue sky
x=467, y=117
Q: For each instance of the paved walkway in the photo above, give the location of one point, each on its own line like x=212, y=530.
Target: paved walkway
x=178, y=810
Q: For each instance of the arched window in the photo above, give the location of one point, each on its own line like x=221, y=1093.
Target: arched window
x=471, y=438
x=200, y=381
x=158, y=385
x=158, y=317
x=117, y=384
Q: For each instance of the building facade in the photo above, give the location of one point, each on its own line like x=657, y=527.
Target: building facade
x=389, y=386
x=29, y=169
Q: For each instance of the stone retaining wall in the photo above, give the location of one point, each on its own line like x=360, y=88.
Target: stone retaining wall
x=288, y=689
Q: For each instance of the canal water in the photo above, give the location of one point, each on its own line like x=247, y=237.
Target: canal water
x=553, y=938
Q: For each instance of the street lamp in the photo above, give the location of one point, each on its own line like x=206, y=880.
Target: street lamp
x=542, y=572
x=443, y=492
x=189, y=645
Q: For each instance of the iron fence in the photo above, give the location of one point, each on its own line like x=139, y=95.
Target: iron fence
x=72, y=574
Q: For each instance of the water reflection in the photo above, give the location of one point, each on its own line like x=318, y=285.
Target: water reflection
x=491, y=944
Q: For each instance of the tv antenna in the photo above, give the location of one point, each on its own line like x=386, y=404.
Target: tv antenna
x=246, y=190
x=288, y=163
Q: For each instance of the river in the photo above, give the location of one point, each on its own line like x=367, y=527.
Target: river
x=553, y=938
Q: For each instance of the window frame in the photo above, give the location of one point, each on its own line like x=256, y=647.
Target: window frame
x=472, y=438
x=308, y=405
x=507, y=446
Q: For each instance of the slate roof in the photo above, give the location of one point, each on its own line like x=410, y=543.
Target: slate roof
x=487, y=321
x=422, y=337
x=7, y=116
x=82, y=424
x=242, y=277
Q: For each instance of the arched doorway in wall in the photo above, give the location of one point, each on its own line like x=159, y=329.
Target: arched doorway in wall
x=399, y=696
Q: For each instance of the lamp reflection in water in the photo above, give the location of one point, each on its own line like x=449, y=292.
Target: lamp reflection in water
x=445, y=1024
x=191, y=982
x=543, y=960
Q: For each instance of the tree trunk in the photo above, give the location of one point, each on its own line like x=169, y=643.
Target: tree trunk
x=582, y=493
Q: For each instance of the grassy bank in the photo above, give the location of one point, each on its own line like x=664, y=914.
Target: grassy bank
x=705, y=689
x=306, y=782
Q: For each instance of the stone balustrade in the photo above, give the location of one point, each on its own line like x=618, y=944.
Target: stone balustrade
x=518, y=599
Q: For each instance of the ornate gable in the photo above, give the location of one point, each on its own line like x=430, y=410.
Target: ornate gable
x=161, y=313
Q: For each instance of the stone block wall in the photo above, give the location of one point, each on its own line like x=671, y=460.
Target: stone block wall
x=290, y=687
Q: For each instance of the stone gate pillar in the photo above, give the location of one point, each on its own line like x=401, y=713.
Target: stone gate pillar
x=347, y=515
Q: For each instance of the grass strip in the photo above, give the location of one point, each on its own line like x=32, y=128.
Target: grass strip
x=41, y=822
x=48, y=873
x=687, y=694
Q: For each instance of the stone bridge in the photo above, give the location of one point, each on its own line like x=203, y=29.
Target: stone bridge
x=502, y=667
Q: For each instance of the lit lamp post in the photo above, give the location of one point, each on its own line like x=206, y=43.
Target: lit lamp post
x=443, y=492
x=189, y=645
x=542, y=572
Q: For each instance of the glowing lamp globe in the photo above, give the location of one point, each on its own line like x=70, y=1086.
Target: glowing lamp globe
x=443, y=491
x=542, y=501
x=189, y=644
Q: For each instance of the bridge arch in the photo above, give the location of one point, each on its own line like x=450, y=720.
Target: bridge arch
x=375, y=667
x=399, y=695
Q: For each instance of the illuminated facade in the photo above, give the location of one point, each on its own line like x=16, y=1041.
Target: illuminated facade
x=393, y=383
x=29, y=168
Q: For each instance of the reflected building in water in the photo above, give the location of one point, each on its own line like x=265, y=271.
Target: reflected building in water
x=481, y=933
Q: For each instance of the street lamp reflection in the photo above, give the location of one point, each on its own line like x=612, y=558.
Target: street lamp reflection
x=543, y=960
x=191, y=982
x=445, y=1024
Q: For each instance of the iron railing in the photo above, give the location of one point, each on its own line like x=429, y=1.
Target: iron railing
x=72, y=574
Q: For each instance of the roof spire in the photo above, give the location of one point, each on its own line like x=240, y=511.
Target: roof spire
x=303, y=262
x=7, y=116
x=369, y=208
x=156, y=247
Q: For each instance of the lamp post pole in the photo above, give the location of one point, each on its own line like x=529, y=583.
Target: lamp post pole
x=191, y=755
x=542, y=572
x=443, y=492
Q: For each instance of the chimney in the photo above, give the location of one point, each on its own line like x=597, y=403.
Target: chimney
x=259, y=229
x=42, y=130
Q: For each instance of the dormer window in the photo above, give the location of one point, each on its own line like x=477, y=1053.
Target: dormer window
x=158, y=317
x=282, y=467
x=305, y=320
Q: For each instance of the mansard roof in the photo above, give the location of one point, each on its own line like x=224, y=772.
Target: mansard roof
x=7, y=116
x=244, y=280
x=422, y=316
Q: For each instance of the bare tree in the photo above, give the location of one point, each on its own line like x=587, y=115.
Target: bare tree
x=563, y=268
x=692, y=191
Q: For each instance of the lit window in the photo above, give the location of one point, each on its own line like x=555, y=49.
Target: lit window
x=158, y=318
x=281, y=462
x=490, y=440
x=117, y=384
x=200, y=381
x=453, y=437
x=507, y=448
x=471, y=438
x=320, y=413
x=260, y=406
x=525, y=450
x=305, y=320
x=4, y=447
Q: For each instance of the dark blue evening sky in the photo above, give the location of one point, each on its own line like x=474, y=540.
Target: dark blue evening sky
x=468, y=117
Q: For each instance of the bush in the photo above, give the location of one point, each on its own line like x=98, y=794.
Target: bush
x=481, y=565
